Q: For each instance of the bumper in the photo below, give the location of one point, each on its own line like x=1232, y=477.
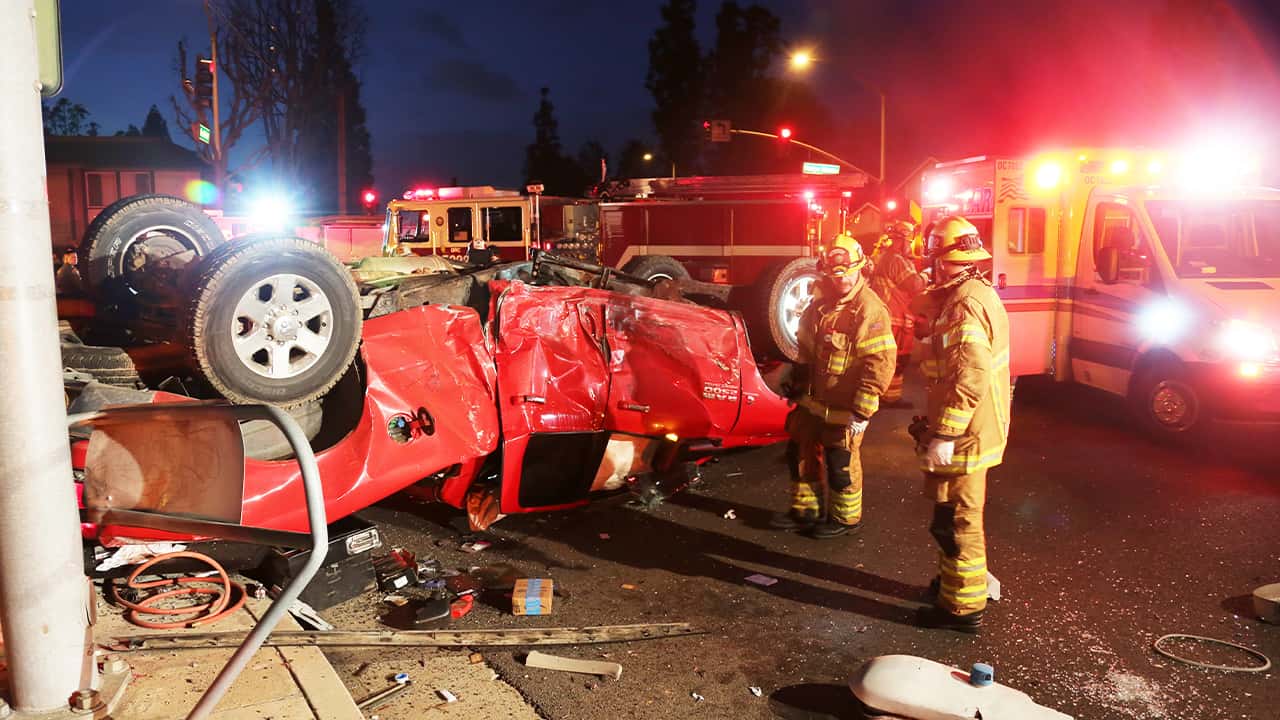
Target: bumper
x=1242, y=394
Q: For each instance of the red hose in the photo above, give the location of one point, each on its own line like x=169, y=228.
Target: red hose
x=217, y=608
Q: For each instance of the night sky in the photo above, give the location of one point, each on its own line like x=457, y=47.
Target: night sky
x=450, y=88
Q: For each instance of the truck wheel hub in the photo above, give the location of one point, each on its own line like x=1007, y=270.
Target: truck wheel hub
x=282, y=326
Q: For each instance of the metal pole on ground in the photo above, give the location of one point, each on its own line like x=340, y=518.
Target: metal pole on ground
x=42, y=587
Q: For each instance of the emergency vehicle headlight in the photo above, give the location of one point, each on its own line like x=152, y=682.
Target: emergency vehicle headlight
x=270, y=210
x=1164, y=322
x=1247, y=341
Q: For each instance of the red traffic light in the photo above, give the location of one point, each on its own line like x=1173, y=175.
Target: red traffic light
x=370, y=196
x=784, y=133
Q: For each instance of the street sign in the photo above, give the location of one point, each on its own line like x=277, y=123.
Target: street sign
x=202, y=133
x=812, y=168
x=49, y=47
x=720, y=130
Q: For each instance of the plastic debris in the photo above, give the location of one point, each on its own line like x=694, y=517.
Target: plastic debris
x=762, y=580
x=730, y=514
x=397, y=600
x=628, y=586
x=475, y=547
x=447, y=696
x=401, y=678
x=756, y=691
x=696, y=697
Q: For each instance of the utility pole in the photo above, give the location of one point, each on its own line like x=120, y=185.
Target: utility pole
x=883, y=194
x=219, y=168
x=43, y=592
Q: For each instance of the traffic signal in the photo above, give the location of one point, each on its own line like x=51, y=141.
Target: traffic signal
x=369, y=198
x=706, y=130
x=784, y=133
x=204, y=82
x=716, y=130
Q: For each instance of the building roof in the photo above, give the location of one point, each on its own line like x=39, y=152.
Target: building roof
x=119, y=153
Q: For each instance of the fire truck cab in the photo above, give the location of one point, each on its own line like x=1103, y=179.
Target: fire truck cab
x=503, y=224
x=1149, y=275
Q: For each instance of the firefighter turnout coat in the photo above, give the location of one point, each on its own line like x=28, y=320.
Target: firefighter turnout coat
x=849, y=345
x=967, y=369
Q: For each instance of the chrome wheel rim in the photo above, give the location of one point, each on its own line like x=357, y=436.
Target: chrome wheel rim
x=796, y=295
x=157, y=248
x=282, y=326
x=1174, y=405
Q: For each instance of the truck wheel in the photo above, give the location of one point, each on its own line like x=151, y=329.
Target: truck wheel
x=785, y=294
x=656, y=267
x=137, y=249
x=274, y=319
x=1168, y=404
x=107, y=365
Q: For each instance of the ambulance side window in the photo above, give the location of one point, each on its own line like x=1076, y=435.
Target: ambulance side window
x=460, y=224
x=1114, y=225
x=1026, y=230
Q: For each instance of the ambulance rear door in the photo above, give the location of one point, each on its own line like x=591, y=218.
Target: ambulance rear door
x=1024, y=246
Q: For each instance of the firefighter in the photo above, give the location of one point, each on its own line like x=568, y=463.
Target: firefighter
x=967, y=370
x=846, y=363
x=897, y=282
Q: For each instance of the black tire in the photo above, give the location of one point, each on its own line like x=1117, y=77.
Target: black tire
x=782, y=296
x=107, y=365
x=226, y=278
x=1168, y=404
x=136, y=251
x=656, y=267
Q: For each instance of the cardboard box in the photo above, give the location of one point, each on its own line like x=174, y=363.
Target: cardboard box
x=532, y=596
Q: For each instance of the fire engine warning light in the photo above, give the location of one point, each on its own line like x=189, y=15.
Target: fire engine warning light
x=784, y=133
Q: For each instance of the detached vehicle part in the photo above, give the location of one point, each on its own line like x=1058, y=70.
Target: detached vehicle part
x=272, y=319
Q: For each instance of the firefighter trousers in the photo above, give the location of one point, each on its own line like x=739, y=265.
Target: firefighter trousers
x=903, y=336
x=962, y=550
x=822, y=455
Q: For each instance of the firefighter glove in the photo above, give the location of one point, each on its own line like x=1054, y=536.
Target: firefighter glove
x=939, y=453
x=858, y=426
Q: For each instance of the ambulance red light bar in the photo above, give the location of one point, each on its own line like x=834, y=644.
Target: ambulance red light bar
x=419, y=194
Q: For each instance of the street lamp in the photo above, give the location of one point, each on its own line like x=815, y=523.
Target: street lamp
x=648, y=157
x=802, y=60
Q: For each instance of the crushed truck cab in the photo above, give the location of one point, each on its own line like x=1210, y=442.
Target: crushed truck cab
x=1150, y=275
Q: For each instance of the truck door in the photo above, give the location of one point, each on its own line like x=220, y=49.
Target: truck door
x=553, y=384
x=504, y=228
x=459, y=228
x=1103, y=339
x=1025, y=251
x=674, y=367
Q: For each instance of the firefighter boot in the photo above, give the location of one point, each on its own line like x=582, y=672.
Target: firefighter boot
x=792, y=521
x=935, y=618
x=844, y=477
x=804, y=511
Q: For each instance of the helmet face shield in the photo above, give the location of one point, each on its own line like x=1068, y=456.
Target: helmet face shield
x=837, y=262
x=955, y=239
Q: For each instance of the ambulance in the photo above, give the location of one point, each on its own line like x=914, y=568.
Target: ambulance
x=1151, y=275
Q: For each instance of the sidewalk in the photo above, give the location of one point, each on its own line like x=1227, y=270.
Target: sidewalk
x=278, y=683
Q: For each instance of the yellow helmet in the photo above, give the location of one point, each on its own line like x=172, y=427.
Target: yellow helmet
x=844, y=257
x=954, y=239
x=900, y=230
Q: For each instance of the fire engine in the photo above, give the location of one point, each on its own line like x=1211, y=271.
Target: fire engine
x=1151, y=275
x=759, y=233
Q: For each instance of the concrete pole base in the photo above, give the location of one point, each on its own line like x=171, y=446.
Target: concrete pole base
x=89, y=704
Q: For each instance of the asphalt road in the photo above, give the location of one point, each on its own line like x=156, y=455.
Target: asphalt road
x=1103, y=541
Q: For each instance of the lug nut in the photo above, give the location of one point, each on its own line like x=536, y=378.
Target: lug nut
x=84, y=699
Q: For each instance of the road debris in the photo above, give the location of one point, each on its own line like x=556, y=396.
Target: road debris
x=601, y=668
x=415, y=638
x=384, y=696
x=134, y=554
x=628, y=586
x=762, y=580
x=696, y=697
x=447, y=696
x=533, y=596
x=475, y=658
x=308, y=617
x=475, y=547
x=1263, y=666
x=604, y=536
x=756, y=691
x=730, y=514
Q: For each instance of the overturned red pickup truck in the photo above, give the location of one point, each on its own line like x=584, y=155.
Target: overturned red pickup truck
x=541, y=384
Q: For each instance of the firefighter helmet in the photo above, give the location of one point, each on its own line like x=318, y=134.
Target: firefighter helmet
x=900, y=230
x=844, y=257
x=954, y=239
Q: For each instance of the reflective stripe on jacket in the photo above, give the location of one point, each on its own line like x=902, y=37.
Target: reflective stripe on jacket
x=967, y=368
x=849, y=344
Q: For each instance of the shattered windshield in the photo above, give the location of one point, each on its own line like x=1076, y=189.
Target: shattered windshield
x=1228, y=239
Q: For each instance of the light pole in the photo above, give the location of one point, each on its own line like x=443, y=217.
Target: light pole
x=801, y=60
x=648, y=157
